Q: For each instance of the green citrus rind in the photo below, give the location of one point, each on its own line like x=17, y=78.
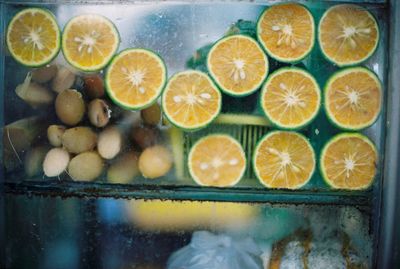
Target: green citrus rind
x=198, y=127
x=56, y=50
x=242, y=119
x=151, y=101
x=215, y=79
x=257, y=148
x=350, y=63
x=197, y=180
x=276, y=57
x=325, y=148
x=334, y=76
x=107, y=60
x=264, y=88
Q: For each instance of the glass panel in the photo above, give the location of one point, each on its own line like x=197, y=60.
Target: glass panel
x=107, y=233
x=175, y=31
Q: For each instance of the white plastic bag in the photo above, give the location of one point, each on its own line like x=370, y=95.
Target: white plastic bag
x=209, y=251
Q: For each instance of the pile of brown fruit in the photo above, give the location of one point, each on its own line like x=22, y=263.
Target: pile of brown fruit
x=90, y=138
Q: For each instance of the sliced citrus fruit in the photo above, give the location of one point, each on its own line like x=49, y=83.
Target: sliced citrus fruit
x=290, y=98
x=287, y=32
x=348, y=34
x=353, y=98
x=33, y=37
x=348, y=161
x=89, y=42
x=191, y=100
x=135, y=78
x=217, y=160
x=237, y=64
x=284, y=160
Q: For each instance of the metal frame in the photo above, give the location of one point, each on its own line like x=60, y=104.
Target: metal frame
x=391, y=184
x=2, y=197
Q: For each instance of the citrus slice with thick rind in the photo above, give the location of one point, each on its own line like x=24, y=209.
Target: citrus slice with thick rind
x=348, y=34
x=217, y=160
x=33, y=37
x=286, y=32
x=290, y=98
x=191, y=100
x=237, y=64
x=284, y=160
x=348, y=161
x=89, y=42
x=135, y=78
x=353, y=98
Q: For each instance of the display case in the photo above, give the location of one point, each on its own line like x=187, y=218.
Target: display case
x=112, y=213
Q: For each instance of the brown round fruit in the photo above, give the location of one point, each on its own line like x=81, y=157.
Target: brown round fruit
x=109, y=142
x=70, y=107
x=86, y=166
x=54, y=134
x=94, y=86
x=63, y=80
x=155, y=162
x=79, y=139
x=34, y=160
x=145, y=137
x=44, y=74
x=99, y=112
x=55, y=162
x=151, y=115
x=124, y=169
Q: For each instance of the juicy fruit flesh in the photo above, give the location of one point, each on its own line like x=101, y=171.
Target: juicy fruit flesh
x=349, y=163
x=284, y=160
x=33, y=37
x=191, y=100
x=238, y=64
x=354, y=99
x=291, y=98
x=348, y=34
x=287, y=31
x=217, y=160
x=90, y=41
x=136, y=78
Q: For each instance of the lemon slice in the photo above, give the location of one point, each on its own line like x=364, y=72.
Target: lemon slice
x=237, y=64
x=33, y=37
x=217, y=160
x=89, y=42
x=353, y=98
x=135, y=78
x=348, y=34
x=291, y=98
x=287, y=32
x=191, y=100
x=349, y=161
x=284, y=160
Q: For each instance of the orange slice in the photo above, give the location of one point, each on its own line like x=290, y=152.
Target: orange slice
x=135, y=78
x=284, y=160
x=237, y=64
x=89, y=42
x=353, y=98
x=287, y=32
x=349, y=161
x=33, y=37
x=291, y=98
x=348, y=34
x=191, y=100
x=217, y=160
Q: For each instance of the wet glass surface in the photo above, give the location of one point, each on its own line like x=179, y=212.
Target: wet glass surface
x=175, y=31
x=107, y=233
